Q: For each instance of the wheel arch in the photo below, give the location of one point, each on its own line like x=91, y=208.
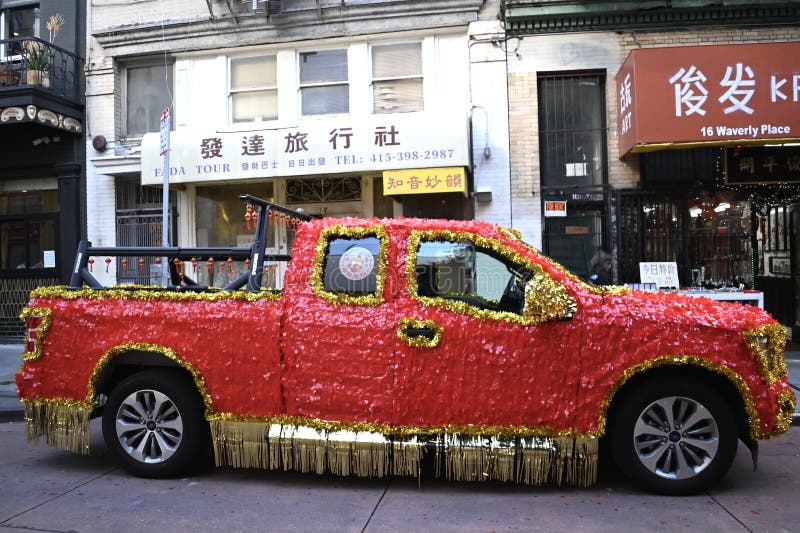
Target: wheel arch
x=730, y=385
x=127, y=359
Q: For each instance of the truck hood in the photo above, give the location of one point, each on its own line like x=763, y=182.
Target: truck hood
x=661, y=308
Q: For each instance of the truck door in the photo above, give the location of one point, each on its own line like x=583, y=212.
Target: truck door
x=473, y=353
x=338, y=338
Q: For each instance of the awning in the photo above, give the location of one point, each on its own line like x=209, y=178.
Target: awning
x=329, y=145
x=740, y=94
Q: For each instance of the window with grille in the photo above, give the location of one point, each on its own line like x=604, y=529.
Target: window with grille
x=324, y=89
x=397, y=78
x=254, y=89
x=572, y=129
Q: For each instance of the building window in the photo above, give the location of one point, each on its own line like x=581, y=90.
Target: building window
x=323, y=83
x=397, y=78
x=18, y=22
x=28, y=233
x=254, y=89
x=572, y=126
x=148, y=90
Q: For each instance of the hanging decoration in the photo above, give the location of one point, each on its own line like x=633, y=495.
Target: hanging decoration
x=194, y=265
x=108, y=263
x=91, y=264
x=210, y=266
x=248, y=216
x=125, y=266
x=141, y=266
x=230, y=266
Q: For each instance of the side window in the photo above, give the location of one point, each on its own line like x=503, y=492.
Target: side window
x=460, y=271
x=350, y=266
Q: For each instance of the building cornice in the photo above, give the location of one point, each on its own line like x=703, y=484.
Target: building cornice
x=203, y=33
x=526, y=17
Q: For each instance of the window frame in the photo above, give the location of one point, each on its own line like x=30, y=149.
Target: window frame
x=308, y=85
x=338, y=231
x=28, y=219
x=231, y=91
x=141, y=63
x=498, y=250
x=420, y=76
x=4, y=24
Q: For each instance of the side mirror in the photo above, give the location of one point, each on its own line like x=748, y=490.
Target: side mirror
x=547, y=300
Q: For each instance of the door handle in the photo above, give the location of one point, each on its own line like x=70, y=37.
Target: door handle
x=420, y=333
x=428, y=333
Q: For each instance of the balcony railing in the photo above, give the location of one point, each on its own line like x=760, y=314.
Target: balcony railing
x=32, y=62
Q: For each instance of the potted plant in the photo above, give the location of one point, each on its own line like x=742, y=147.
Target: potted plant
x=39, y=56
x=38, y=62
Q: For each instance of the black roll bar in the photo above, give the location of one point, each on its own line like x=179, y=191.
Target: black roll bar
x=256, y=252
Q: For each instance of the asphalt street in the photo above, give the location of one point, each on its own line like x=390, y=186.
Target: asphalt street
x=44, y=489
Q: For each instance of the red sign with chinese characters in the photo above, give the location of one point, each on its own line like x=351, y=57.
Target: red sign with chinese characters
x=708, y=94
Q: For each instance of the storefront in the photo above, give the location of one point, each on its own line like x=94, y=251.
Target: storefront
x=380, y=165
x=717, y=131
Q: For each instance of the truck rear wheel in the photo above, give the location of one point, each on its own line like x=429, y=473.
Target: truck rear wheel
x=674, y=437
x=153, y=424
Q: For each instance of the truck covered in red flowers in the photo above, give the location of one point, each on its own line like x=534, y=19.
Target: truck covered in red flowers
x=394, y=341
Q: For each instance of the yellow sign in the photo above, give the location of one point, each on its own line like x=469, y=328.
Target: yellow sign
x=425, y=180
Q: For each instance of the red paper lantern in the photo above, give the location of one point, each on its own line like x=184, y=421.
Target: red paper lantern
x=108, y=263
x=194, y=265
x=210, y=265
x=91, y=264
x=141, y=265
x=230, y=265
x=125, y=266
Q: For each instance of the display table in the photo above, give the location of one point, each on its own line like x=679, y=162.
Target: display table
x=753, y=297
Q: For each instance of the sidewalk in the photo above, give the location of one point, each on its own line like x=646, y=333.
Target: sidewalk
x=10, y=361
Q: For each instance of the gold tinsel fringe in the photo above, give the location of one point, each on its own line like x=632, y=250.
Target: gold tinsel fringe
x=65, y=425
x=529, y=460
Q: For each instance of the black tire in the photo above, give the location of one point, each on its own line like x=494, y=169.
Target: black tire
x=161, y=432
x=674, y=436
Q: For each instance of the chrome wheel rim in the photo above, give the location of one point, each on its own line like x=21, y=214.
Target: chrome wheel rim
x=149, y=426
x=676, y=438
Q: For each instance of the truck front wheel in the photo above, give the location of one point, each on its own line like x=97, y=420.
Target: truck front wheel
x=153, y=424
x=674, y=437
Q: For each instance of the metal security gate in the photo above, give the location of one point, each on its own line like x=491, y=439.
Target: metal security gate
x=650, y=227
x=138, y=223
x=572, y=240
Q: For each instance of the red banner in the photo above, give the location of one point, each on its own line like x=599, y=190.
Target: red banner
x=708, y=94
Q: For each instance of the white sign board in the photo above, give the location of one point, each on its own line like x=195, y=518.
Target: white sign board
x=312, y=147
x=49, y=259
x=662, y=274
x=164, y=133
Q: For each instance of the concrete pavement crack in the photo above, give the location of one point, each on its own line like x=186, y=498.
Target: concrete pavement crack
x=729, y=513
x=4, y=523
x=377, y=504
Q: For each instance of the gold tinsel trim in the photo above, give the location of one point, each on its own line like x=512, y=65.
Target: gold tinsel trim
x=772, y=362
x=154, y=348
x=549, y=301
x=64, y=423
x=401, y=431
x=733, y=377
x=41, y=331
x=340, y=231
x=419, y=342
x=151, y=294
x=786, y=406
x=531, y=460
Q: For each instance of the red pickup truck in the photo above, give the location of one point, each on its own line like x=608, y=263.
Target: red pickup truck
x=394, y=340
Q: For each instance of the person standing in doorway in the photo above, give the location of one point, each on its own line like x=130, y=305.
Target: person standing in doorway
x=600, y=268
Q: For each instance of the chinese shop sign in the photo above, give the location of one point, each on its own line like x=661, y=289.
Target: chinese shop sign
x=661, y=274
x=768, y=164
x=708, y=94
x=425, y=180
x=320, y=146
